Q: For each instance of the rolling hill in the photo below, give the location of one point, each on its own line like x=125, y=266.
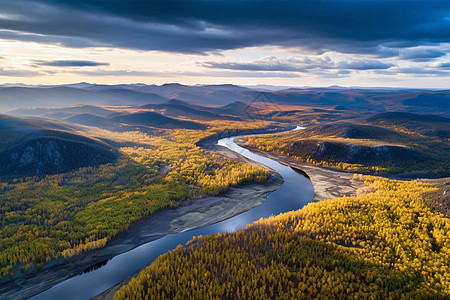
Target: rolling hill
x=33, y=147
x=61, y=113
x=154, y=120
x=177, y=108
x=362, y=99
x=112, y=120
x=428, y=125
x=403, y=143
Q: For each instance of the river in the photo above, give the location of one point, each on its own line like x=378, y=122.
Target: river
x=296, y=192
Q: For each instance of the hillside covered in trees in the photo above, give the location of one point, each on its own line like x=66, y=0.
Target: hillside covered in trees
x=51, y=218
x=383, y=244
x=400, y=143
x=37, y=147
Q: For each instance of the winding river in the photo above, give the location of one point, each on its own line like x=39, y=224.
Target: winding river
x=296, y=192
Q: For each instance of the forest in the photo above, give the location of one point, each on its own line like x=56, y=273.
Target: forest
x=371, y=146
x=385, y=243
x=56, y=217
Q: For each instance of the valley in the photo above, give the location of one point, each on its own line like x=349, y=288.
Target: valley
x=224, y=149
x=85, y=185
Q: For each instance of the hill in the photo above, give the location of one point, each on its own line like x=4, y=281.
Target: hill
x=177, y=108
x=23, y=97
x=374, y=100
x=108, y=119
x=154, y=120
x=401, y=143
x=61, y=113
x=428, y=125
x=40, y=147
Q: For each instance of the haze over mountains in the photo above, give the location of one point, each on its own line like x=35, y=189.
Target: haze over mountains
x=374, y=99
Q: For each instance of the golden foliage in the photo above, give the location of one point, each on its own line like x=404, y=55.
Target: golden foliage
x=381, y=245
x=60, y=216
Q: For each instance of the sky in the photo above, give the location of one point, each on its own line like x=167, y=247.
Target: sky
x=286, y=43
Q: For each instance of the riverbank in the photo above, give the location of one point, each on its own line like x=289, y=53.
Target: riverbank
x=190, y=215
x=327, y=183
x=248, y=192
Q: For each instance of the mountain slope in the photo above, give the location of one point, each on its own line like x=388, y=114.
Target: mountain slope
x=112, y=120
x=176, y=108
x=154, y=120
x=403, y=143
x=39, y=147
x=60, y=113
x=428, y=125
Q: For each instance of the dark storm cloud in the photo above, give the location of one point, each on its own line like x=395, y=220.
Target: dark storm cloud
x=421, y=55
x=71, y=63
x=201, y=26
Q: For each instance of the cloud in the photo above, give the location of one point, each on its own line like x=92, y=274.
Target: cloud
x=178, y=74
x=374, y=27
x=421, y=55
x=364, y=65
x=422, y=71
x=443, y=65
x=299, y=64
x=18, y=73
x=271, y=63
x=414, y=71
x=71, y=63
x=274, y=64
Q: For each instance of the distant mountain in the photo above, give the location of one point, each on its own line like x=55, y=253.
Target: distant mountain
x=32, y=146
x=92, y=120
x=25, y=97
x=237, y=108
x=366, y=99
x=153, y=119
x=231, y=110
x=61, y=113
x=433, y=102
x=119, y=121
x=399, y=117
x=176, y=108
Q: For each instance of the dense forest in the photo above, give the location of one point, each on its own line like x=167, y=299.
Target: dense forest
x=44, y=218
x=383, y=244
x=407, y=144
